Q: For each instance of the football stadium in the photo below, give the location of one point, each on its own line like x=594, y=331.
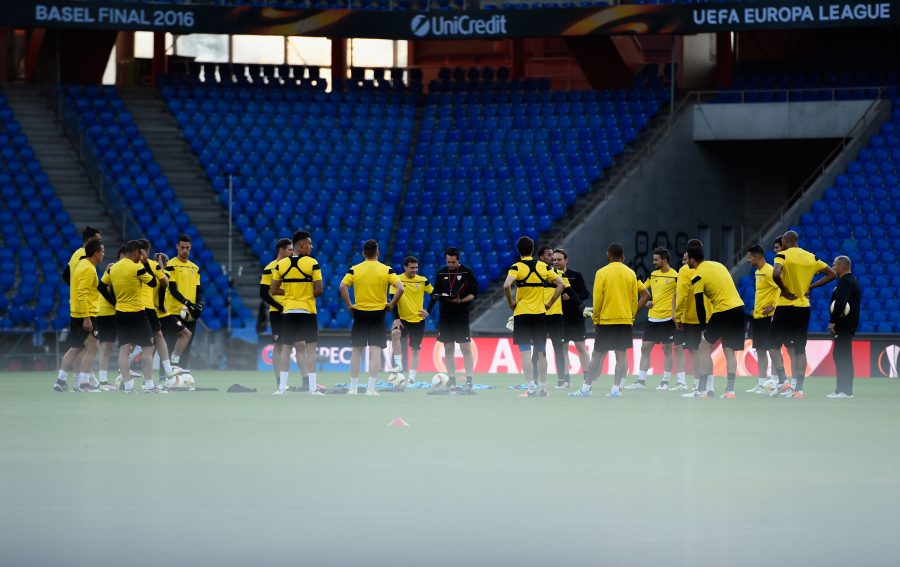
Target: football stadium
x=620, y=273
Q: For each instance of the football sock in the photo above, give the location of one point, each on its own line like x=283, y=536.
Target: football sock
x=614, y=389
x=585, y=387
x=681, y=378
x=148, y=384
x=642, y=376
x=62, y=376
x=305, y=383
x=730, y=387
x=174, y=358
x=129, y=384
x=398, y=362
x=469, y=382
x=83, y=378
x=354, y=383
x=168, y=366
x=761, y=382
x=666, y=376
x=800, y=380
x=781, y=376
x=371, y=384
x=412, y=375
x=697, y=379
x=282, y=380
x=531, y=386
x=710, y=383
x=451, y=381
x=103, y=375
x=312, y=382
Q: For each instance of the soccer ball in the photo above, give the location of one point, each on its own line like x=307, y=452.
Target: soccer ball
x=184, y=380
x=397, y=379
x=440, y=380
x=770, y=385
x=846, y=309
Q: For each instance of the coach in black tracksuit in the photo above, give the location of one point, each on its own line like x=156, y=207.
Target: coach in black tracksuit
x=455, y=287
x=847, y=292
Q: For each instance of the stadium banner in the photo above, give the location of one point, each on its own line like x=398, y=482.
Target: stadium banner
x=498, y=355
x=494, y=24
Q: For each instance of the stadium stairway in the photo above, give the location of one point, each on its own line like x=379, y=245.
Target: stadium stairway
x=192, y=187
x=60, y=162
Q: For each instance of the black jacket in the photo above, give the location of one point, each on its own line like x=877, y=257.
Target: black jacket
x=573, y=306
x=846, y=292
x=449, y=284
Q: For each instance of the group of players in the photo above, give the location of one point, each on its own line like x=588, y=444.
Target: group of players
x=689, y=311
x=154, y=303
x=145, y=304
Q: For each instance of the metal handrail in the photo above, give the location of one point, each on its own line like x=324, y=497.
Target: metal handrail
x=819, y=170
x=787, y=91
x=105, y=189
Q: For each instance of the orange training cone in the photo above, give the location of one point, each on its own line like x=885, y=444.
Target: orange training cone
x=398, y=422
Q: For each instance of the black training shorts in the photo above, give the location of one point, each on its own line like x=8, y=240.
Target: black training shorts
x=660, y=332
x=154, y=320
x=134, y=328
x=790, y=326
x=761, y=331
x=612, y=337
x=454, y=330
x=530, y=329
x=414, y=332
x=106, y=328
x=367, y=330
x=727, y=326
x=689, y=336
x=301, y=328
x=275, y=321
x=556, y=328
x=77, y=334
x=573, y=329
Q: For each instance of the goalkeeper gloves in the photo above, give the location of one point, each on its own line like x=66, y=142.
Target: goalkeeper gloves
x=195, y=309
x=588, y=312
x=510, y=322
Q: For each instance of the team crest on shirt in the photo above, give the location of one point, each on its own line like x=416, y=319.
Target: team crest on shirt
x=458, y=277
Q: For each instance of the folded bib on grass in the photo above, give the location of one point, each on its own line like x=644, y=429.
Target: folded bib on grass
x=518, y=387
x=380, y=386
x=184, y=389
x=238, y=389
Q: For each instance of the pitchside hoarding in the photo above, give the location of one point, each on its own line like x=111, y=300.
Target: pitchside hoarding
x=625, y=19
x=497, y=355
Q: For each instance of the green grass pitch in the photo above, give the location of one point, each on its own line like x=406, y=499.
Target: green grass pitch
x=209, y=478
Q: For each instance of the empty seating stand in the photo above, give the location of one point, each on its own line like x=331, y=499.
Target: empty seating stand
x=139, y=182
x=36, y=237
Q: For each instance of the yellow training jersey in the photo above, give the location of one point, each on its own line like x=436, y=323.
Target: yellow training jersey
x=550, y=289
x=413, y=299
x=531, y=275
x=77, y=257
x=713, y=280
x=266, y=280
x=186, y=277
x=685, y=307
x=84, y=299
x=615, y=295
x=297, y=275
x=105, y=308
x=127, y=279
x=147, y=292
x=662, y=290
x=767, y=291
x=797, y=270
x=370, y=280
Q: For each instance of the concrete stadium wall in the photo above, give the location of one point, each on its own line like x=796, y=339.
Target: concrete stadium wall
x=777, y=121
x=718, y=192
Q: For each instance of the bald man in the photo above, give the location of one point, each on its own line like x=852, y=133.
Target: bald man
x=842, y=327
x=793, y=273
